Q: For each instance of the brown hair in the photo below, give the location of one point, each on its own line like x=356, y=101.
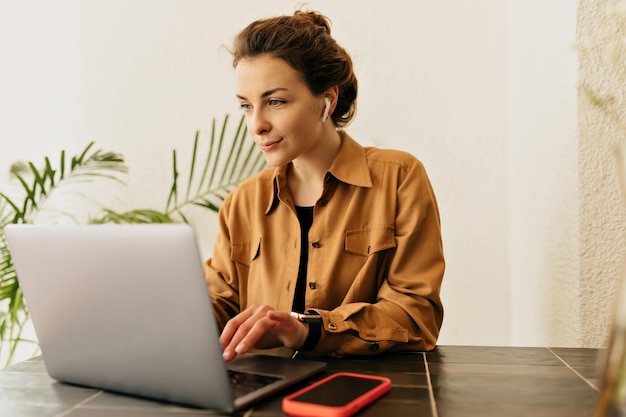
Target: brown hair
x=304, y=42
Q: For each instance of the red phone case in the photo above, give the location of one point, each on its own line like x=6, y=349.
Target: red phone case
x=300, y=408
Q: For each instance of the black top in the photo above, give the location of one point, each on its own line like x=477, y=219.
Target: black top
x=305, y=216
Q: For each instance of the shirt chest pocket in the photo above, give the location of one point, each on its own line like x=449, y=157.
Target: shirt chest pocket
x=245, y=252
x=371, y=240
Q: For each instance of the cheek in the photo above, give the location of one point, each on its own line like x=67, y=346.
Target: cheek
x=305, y=120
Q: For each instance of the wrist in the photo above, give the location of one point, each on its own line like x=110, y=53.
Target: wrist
x=313, y=325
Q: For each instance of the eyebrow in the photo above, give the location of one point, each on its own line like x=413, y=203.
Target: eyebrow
x=266, y=93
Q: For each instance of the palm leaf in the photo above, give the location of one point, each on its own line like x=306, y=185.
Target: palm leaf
x=208, y=182
x=13, y=313
x=226, y=170
x=37, y=185
x=133, y=216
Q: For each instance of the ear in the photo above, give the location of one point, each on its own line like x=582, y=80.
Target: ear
x=330, y=101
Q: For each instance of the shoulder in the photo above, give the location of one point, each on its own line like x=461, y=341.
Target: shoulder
x=403, y=160
x=264, y=178
x=360, y=165
x=260, y=182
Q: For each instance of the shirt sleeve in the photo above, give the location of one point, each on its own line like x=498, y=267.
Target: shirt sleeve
x=408, y=313
x=221, y=274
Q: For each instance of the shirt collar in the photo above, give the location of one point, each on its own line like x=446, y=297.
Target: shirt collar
x=350, y=166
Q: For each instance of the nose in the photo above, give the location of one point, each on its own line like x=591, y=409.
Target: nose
x=258, y=123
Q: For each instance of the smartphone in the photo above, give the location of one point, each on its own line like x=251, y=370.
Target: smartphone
x=339, y=395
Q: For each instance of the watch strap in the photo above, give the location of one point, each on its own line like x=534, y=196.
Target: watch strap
x=315, y=333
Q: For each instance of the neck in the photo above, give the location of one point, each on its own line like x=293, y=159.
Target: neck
x=306, y=173
x=314, y=164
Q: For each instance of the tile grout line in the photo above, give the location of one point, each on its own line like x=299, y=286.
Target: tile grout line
x=431, y=393
x=78, y=405
x=574, y=370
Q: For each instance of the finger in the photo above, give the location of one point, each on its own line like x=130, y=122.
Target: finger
x=290, y=331
x=253, y=336
x=282, y=317
x=233, y=325
x=247, y=336
x=241, y=326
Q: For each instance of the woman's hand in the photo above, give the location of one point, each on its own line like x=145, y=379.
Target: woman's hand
x=261, y=327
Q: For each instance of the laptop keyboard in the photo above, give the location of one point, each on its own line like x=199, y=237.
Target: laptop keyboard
x=243, y=383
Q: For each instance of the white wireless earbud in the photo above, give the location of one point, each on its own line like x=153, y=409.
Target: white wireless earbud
x=326, y=110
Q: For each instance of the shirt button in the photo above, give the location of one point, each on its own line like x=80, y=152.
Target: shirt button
x=332, y=326
x=315, y=244
x=312, y=285
x=322, y=203
x=374, y=347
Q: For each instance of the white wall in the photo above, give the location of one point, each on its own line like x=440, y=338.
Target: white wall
x=483, y=92
x=543, y=173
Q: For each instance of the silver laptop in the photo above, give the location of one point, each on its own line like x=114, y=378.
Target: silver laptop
x=126, y=308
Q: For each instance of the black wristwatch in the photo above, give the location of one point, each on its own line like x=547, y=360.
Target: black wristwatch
x=314, y=321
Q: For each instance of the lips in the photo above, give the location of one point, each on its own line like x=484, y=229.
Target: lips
x=268, y=146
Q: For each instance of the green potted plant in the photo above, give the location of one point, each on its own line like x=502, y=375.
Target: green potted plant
x=32, y=194
x=213, y=173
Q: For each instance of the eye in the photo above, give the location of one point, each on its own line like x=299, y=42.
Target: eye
x=276, y=102
x=245, y=107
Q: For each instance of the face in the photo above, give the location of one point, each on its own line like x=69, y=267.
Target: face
x=282, y=115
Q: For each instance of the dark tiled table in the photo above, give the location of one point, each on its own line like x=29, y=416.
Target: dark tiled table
x=450, y=381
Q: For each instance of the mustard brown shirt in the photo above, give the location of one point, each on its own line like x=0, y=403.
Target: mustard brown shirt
x=375, y=254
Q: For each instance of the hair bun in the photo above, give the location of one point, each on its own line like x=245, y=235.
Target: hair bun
x=316, y=18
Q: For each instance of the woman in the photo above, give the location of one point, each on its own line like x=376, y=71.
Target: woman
x=346, y=234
